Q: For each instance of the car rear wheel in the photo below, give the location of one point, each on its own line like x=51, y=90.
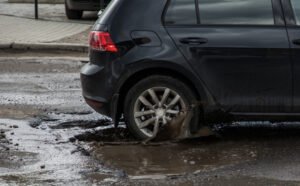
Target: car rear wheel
x=156, y=100
x=73, y=14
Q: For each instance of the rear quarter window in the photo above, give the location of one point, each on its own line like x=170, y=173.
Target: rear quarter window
x=221, y=12
x=181, y=12
x=243, y=12
x=296, y=9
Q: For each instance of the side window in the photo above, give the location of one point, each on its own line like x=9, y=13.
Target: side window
x=296, y=8
x=181, y=12
x=235, y=12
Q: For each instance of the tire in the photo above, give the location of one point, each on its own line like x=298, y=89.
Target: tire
x=159, y=85
x=73, y=14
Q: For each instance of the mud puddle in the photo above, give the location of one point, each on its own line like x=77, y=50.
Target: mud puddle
x=237, y=147
x=84, y=148
x=69, y=148
x=171, y=159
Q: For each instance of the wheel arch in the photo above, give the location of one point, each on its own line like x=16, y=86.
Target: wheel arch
x=156, y=68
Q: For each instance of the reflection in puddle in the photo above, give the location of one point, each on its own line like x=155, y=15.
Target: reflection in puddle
x=173, y=158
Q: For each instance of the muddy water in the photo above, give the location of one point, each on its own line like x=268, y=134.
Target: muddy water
x=41, y=152
x=49, y=136
x=172, y=159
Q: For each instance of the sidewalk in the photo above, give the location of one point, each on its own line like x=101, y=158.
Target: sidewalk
x=23, y=33
x=52, y=12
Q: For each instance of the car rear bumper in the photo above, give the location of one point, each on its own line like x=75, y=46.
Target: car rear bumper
x=96, y=90
x=90, y=5
x=98, y=106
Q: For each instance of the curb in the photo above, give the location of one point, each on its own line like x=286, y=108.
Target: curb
x=45, y=46
x=5, y=45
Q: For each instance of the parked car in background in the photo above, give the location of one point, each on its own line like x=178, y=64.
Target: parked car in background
x=74, y=8
x=151, y=59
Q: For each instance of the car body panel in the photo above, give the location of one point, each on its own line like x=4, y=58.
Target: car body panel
x=247, y=69
x=294, y=35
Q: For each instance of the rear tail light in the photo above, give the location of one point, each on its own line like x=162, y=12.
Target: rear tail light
x=102, y=41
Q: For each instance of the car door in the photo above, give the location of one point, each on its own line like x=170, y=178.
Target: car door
x=292, y=15
x=239, y=49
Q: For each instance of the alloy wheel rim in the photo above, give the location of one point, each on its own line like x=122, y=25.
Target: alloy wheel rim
x=157, y=105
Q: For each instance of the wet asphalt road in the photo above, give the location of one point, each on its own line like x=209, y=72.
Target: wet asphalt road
x=49, y=136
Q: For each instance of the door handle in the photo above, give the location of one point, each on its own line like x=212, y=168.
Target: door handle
x=193, y=40
x=296, y=42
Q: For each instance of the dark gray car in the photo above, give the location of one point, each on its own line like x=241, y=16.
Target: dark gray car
x=218, y=60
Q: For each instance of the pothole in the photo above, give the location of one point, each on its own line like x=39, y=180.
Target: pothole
x=108, y=134
x=82, y=124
